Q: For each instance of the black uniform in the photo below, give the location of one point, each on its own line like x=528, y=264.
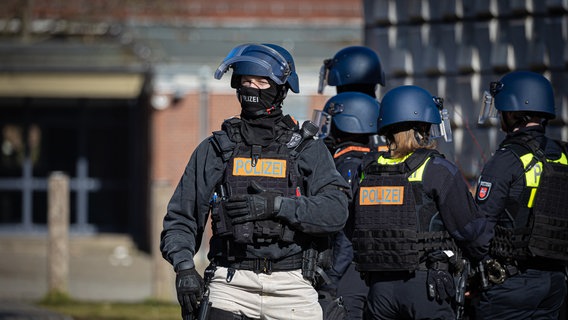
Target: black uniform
x=534, y=287
x=319, y=207
x=402, y=241
x=347, y=281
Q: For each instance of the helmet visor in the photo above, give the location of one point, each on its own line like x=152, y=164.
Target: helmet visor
x=323, y=77
x=322, y=119
x=268, y=62
x=488, y=110
x=443, y=129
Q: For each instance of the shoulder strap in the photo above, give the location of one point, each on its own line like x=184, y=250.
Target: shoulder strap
x=527, y=142
x=226, y=139
x=370, y=159
x=419, y=156
x=521, y=145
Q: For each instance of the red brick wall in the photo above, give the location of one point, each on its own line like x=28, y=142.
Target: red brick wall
x=176, y=131
x=170, y=10
x=174, y=135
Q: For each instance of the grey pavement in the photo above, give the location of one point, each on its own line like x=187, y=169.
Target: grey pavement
x=101, y=268
x=25, y=311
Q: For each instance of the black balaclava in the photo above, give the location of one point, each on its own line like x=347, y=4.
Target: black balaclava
x=261, y=109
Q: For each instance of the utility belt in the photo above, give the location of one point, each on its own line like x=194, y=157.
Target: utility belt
x=492, y=272
x=373, y=276
x=263, y=265
x=495, y=272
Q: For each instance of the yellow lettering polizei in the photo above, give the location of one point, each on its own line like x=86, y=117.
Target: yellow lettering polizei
x=532, y=176
x=381, y=195
x=274, y=168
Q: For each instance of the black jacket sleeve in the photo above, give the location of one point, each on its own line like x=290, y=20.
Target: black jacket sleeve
x=503, y=179
x=460, y=214
x=324, y=207
x=188, y=208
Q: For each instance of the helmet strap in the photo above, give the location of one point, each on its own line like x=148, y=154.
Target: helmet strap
x=391, y=143
x=421, y=136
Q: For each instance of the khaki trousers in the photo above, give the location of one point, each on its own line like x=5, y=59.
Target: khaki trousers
x=279, y=295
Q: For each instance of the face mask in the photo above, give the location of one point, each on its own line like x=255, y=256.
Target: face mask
x=256, y=103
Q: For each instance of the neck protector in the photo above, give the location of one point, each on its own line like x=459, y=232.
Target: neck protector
x=260, y=131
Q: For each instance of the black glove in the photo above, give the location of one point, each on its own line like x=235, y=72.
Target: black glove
x=261, y=204
x=189, y=287
x=441, y=285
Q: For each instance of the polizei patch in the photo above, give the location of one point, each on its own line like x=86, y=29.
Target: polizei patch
x=274, y=168
x=483, y=190
x=383, y=195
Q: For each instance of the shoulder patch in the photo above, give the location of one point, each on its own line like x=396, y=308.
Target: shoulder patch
x=294, y=140
x=483, y=190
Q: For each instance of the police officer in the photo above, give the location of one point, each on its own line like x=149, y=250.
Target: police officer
x=353, y=68
x=523, y=189
x=414, y=215
x=348, y=123
x=272, y=191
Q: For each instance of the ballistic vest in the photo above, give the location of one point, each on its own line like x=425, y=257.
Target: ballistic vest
x=348, y=160
x=396, y=223
x=540, y=215
x=272, y=167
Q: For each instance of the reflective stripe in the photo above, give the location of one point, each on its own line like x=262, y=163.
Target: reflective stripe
x=414, y=176
x=417, y=174
x=392, y=161
x=532, y=176
x=349, y=149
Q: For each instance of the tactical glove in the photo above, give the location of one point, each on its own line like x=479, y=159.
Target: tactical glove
x=261, y=204
x=441, y=285
x=189, y=287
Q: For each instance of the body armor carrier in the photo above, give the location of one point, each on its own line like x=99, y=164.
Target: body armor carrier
x=272, y=167
x=396, y=223
x=537, y=223
x=348, y=159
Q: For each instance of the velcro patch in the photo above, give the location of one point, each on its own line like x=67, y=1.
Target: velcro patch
x=381, y=195
x=273, y=168
x=483, y=190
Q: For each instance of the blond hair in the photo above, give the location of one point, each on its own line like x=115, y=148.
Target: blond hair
x=405, y=142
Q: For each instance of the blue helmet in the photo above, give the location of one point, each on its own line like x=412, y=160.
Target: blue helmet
x=350, y=112
x=352, y=65
x=259, y=60
x=292, y=81
x=413, y=104
x=524, y=91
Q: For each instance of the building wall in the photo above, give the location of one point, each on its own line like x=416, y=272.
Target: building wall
x=174, y=41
